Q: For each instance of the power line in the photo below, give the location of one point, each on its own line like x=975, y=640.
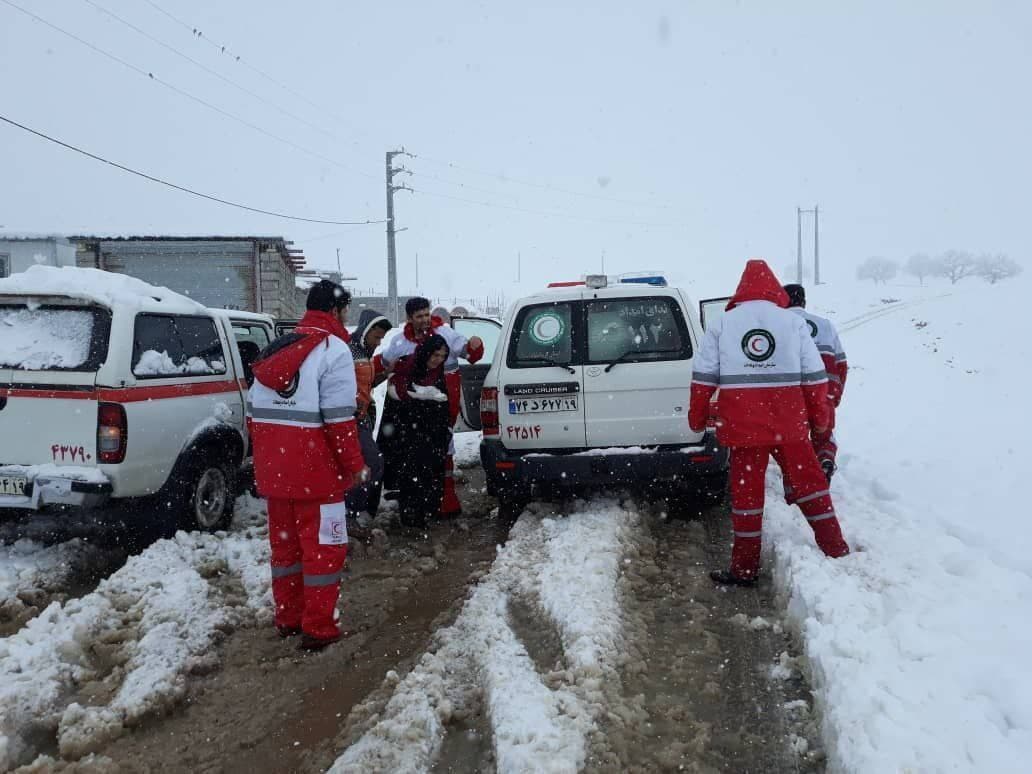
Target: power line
x=532, y=184
x=184, y=189
x=197, y=33
x=586, y=218
x=188, y=95
x=293, y=116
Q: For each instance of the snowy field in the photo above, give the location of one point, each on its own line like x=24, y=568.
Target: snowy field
x=918, y=641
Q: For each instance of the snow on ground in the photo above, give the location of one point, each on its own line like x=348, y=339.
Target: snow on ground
x=31, y=572
x=568, y=568
x=467, y=449
x=88, y=669
x=918, y=641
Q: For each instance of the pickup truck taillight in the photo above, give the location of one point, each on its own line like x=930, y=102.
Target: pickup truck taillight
x=489, y=411
x=112, y=433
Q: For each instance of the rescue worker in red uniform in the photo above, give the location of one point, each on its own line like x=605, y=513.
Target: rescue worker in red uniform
x=419, y=327
x=773, y=391
x=835, y=364
x=301, y=413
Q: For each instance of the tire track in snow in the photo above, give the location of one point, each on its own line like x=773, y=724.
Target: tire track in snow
x=536, y=722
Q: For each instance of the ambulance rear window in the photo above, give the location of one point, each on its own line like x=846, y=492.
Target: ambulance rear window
x=645, y=329
x=543, y=333
x=53, y=338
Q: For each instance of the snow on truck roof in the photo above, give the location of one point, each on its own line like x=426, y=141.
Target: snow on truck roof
x=99, y=287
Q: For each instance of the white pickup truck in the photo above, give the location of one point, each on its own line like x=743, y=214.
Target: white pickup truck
x=112, y=389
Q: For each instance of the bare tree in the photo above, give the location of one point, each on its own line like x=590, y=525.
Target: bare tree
x=920, y=265
x=955, y=265
x=877, y=269
x=993, y=268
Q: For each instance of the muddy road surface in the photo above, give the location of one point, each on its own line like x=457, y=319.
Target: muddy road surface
x=543, y=648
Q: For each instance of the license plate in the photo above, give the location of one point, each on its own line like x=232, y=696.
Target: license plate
x=542, y=405
x=13, y=485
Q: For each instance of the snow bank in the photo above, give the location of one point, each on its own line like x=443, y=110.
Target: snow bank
x=918, y=641
x=101, y=287
x=128, y=647
x=31, y=573
x=38, y=339
x=535, y=726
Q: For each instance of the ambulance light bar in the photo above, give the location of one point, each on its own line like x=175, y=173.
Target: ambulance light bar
x=655, y=280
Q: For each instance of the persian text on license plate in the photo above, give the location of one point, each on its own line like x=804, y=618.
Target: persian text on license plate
x=13, y=485
x=542, y=405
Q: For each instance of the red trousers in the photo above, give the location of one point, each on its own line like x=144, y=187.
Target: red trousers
x=309, y=542
x=803, y=475
x=824, y=446
x=450, y=505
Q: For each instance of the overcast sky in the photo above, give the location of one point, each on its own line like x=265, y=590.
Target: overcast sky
x=690, y=130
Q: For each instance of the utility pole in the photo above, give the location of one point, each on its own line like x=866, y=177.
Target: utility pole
x=799, y=245
x=339, y=272
x=392, y=255
x=816, y=246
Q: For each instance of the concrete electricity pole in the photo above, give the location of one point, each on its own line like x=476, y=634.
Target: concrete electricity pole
x=816, y=245
x=392, y=255
x=799, y=245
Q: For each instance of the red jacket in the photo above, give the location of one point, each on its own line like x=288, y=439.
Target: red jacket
x=761, y=356
x=301, y=413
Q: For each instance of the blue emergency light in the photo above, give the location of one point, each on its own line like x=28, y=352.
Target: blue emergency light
x=656, y=280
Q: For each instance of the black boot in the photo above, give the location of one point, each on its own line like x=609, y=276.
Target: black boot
x=728, y=578
x=829, y=469
x=308, y=642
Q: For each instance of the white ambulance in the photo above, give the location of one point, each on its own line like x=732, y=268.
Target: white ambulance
x=590, y=386
x=112, y=389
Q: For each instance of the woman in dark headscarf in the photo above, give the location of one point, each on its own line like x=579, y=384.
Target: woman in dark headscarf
x=422, y=430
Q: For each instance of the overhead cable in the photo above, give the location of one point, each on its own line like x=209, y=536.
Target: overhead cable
x=184, y=189
x=188, y=95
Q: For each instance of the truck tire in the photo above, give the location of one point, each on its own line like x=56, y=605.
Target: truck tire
x=201, y=491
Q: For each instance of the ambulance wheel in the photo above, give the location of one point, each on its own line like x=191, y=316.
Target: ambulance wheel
x=510, y=507
x=711, y=489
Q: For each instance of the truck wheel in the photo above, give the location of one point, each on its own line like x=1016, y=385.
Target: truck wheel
x=204, y=494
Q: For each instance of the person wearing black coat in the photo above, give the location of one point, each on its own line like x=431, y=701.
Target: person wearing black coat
x=422, y=430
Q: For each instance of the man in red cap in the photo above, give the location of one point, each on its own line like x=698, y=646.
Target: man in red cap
x=773, y=393
x=301, y=413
